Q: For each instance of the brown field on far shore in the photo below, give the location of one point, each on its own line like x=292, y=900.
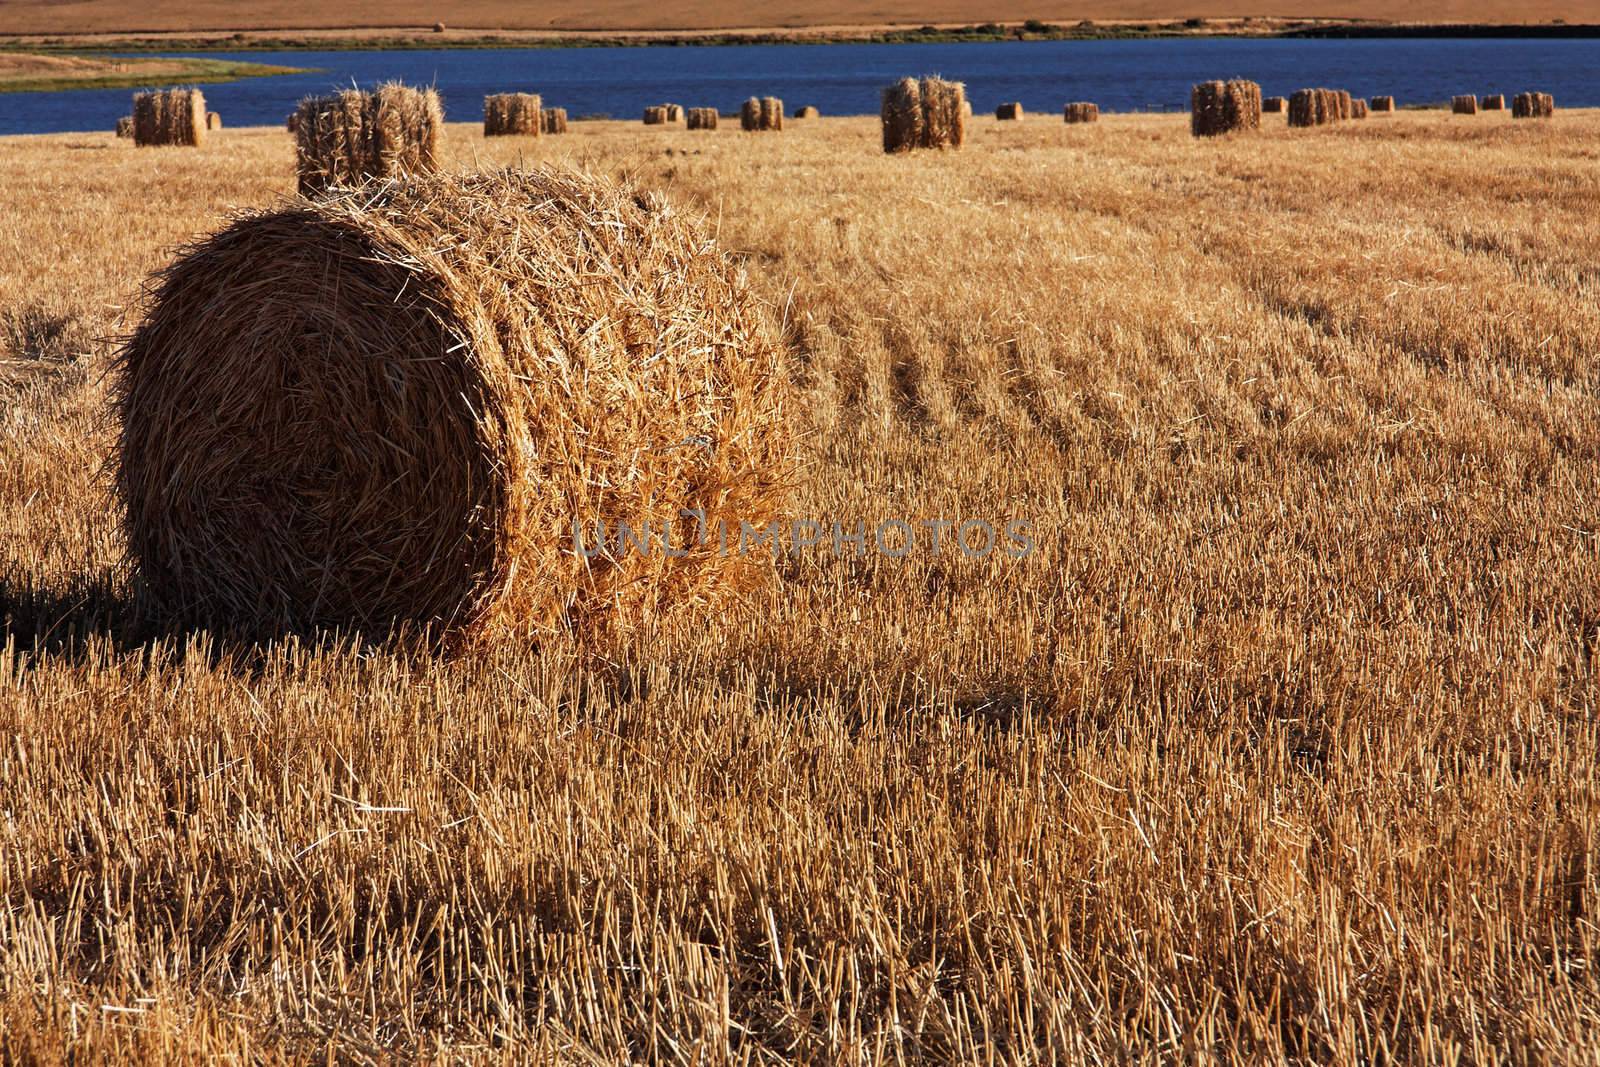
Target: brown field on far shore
x=85, y=17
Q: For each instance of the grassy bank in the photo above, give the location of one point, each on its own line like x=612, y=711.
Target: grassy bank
x=36, y=73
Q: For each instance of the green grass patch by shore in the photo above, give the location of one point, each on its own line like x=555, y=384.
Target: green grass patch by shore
x=38, y=73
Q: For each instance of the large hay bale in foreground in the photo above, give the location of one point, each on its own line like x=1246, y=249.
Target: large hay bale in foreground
x=1317, y=107
x=1533, y=106
x=1381, y=104
x=553, y=120
x=701, y=118
x=1464, y=105
x=655, y=115
x=1081, y=111
x=169, y=117
x=1493, y=102
x=926, y=113
x=513, y=114
x=350, y=136
x=1218, y=107
x=1273, y=105
x=1010, y=112
x=390, y=405
x=125, y=126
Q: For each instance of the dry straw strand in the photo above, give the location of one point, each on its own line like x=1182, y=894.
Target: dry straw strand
x=1010, y=112
x=1464, y=105
x=1082, y=111
x=353, y=135
x=513, y=114
x=420, y=457
x=169, y=117
x=1217, y=107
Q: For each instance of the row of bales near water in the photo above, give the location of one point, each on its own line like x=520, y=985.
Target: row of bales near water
x=736, y=584
x=178, y=116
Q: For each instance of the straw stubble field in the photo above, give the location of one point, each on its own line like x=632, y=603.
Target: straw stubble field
x=1283, y=742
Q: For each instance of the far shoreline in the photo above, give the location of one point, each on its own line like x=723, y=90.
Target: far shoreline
x=421, y=38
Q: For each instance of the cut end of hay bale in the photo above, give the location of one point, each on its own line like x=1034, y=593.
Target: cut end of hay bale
x=1218, y=107
x=1011, y=112
x=513, y=115
x=1081, y=111
x=701, y=118
x=169, y=117
x=213, y=121
x=351, y=136
x=403, y=415
x=924, y=113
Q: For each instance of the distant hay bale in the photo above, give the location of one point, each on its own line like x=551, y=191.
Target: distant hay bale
x=1464, y=105
x=438, y=27
x=1011, y=112
x=125, y=126
x=966, y=108
x=1533, y=106
x=1358, y=108
x=391, y=405
x=1218, y=107
x=1081, y=111
x=1381, y=103
x=292, y=123
x=1318, y=107
x=807, y=112
x=1494, y=102
x=513, y=114
x=901, y=116
x=553, y=120
x=655, y=115
x=169, y=117
x=350, y=136
x=1346, y=104
x=761, y=113
x=944, y=115
x=926, y=113
x=1273, y=105
x=701, y=118
x=213, y=121
x=674, y=112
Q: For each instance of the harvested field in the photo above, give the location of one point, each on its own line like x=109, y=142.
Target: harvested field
x=1281, y=745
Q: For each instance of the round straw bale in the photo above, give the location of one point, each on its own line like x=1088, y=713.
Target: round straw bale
x=1381, y=103
x=807, y=112
x=1082, y=111
x=1493, y=102
x=1218, y=107
x=213, y=121
x=389, y=406
x=1464, y=105
x=655, y=115
x=1273, y=105
x=125, y=126
x=1009, y=112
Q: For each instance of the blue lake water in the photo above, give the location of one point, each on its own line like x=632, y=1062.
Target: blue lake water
x=1148, y=75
